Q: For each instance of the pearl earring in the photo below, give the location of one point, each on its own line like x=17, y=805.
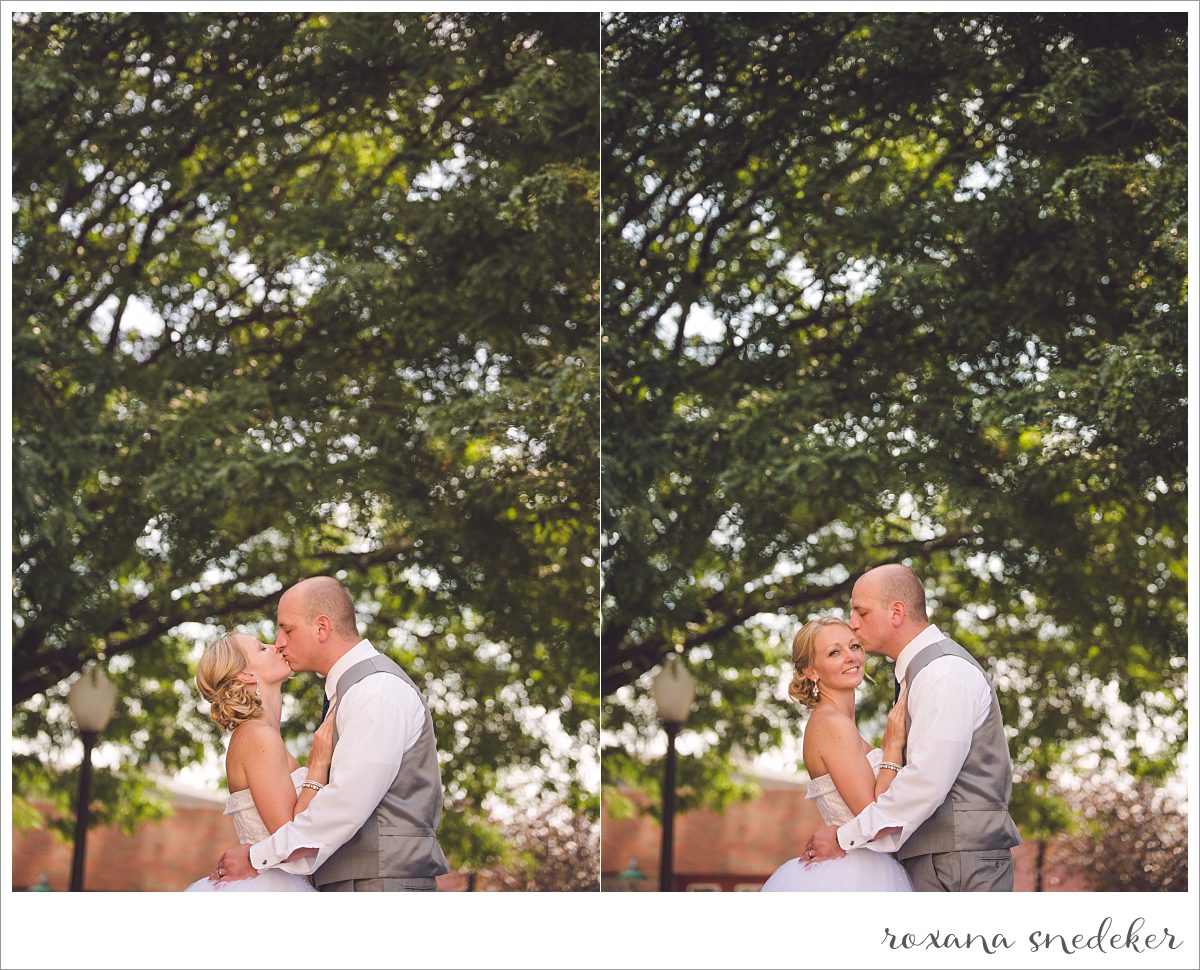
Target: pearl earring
x=257, y=689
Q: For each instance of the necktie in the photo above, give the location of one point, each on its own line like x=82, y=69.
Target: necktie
x=325, y=708
x=897, y=696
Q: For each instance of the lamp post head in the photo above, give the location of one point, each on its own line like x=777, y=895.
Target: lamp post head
x=674, y=688
x=92, y=698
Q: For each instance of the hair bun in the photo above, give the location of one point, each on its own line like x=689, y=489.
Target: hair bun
x=231, y=702
x=803, y=690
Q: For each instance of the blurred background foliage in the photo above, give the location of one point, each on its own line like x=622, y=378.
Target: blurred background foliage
x=1127, y=838
x=896, y=287
x=294, y=294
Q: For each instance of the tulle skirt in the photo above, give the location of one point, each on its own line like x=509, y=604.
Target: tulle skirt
x=861, y=871
x=267, y=881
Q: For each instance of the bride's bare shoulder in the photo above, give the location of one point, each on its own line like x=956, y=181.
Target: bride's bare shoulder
x=254, y=740
x=824, y=734
x=826, y=721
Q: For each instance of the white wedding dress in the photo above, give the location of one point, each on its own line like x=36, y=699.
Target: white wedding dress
x=250, y=828
x=860, y=871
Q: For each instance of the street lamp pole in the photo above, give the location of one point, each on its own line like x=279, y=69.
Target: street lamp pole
x=92, y=699
x=82, y=810
x=666, y=864
x=673, y=689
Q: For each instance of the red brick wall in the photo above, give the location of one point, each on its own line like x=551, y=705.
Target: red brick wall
x=160, y=856
x=747, y=843
x=744, y=844
x=163, y=856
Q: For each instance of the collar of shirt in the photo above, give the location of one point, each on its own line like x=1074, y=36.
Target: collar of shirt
x=360, y=651
x=926, y=638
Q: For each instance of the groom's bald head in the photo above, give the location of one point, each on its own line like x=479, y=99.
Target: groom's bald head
x=896, y=583
x=887, y=608
x=325, y=596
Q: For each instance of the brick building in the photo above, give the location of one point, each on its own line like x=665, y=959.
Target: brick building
x=738, y=849
x=160, y=856
x=733, y=851
x=163, y=856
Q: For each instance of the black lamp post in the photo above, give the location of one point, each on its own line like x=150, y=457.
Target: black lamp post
x=92, y=699
x=673, y=690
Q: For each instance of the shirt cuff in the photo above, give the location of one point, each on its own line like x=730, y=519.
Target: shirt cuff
x=269, y=854
x=856, y=834
x=260, y=856
x=850, y=836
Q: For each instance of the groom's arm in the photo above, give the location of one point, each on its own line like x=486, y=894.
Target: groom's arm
x=945, y=704
x=375, y=722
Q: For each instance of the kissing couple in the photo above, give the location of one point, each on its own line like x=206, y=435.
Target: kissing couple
x=363, y=815
x=928, y=810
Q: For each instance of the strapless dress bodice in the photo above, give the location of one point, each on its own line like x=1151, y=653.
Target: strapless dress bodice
x=830, y=804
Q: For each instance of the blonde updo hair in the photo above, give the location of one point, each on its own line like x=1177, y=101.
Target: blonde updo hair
x=804, y=652
x=231, y=702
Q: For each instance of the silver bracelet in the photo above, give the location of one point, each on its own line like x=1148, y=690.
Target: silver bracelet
x=314, y=785
x=890, y=764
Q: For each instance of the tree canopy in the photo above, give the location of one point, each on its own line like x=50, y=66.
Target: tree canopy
x=896, y=287
x=296, y=294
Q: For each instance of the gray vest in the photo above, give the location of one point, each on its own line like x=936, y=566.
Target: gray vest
x=399, y=839
x=974, y=815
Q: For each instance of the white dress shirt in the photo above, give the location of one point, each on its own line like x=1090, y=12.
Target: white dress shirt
x=948, y=702
x=378, y=720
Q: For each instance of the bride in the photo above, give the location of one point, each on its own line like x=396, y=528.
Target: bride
x=241, y=678
x=847, y=774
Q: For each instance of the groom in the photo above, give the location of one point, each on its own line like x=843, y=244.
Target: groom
x=374, y=826
x=946, y=814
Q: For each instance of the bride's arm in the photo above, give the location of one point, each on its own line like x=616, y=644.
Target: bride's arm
x=319, y=760
x=264, y=759
x=894, y=737
x=841, y=749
